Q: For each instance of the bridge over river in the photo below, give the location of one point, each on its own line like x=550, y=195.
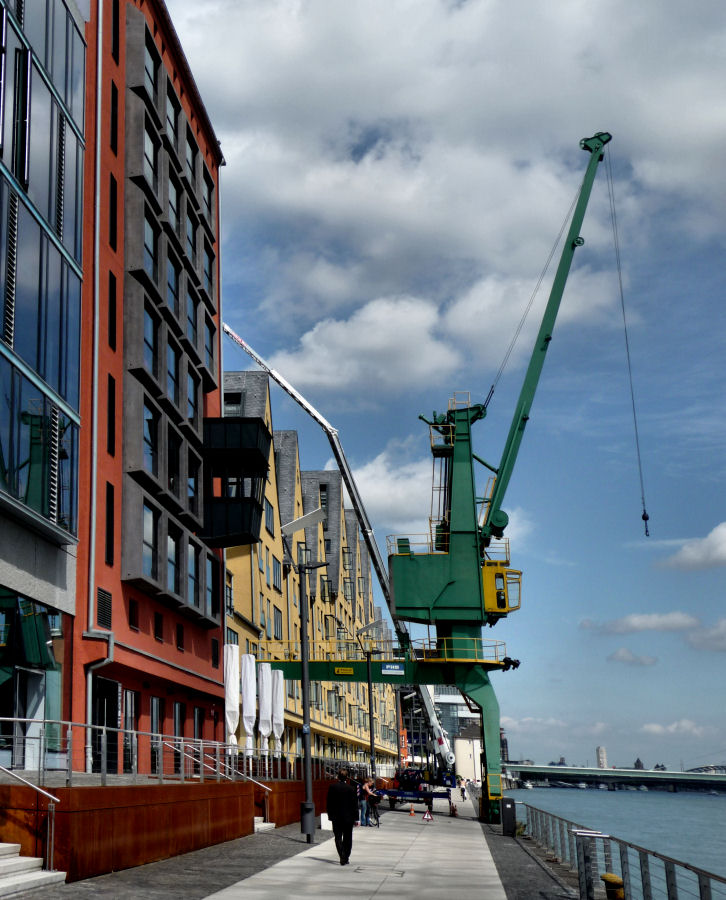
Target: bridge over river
x=614, y=779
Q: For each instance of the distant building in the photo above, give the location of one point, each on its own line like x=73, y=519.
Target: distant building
x=602, y=757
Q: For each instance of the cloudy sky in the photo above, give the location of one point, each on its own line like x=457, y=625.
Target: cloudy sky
x=397, y=173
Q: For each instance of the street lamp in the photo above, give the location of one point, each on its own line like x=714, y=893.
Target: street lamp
x=307, y=807
x=368, y=654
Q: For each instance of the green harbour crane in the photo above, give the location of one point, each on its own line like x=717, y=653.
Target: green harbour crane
x=459, y=579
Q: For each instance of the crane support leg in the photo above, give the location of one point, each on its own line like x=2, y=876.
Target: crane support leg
x=473, y=681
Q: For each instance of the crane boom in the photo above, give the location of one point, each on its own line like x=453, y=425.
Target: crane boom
x=345, y=470
x=440, y=740
x=496, y=519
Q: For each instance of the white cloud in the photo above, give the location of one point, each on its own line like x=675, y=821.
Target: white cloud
x=531, y=724
x=396, y=491
x=710, y=638
x=378, y=152
x=637, y=622
x=389, y=344
x=680, y=727
x=702, y=553
x=623, y=655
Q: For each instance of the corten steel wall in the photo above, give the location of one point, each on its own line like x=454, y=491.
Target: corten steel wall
x=283, y=803
x=100, y=830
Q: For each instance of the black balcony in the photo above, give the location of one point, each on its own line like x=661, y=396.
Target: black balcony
x=235, y=461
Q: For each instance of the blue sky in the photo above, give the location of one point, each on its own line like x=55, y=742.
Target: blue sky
x=396, y=174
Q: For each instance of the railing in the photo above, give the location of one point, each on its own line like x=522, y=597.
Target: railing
x=434, y=650
x=645, y=874
x=68, y=753
x=50, y=833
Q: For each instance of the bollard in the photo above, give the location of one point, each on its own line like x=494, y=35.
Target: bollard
x=613, y=886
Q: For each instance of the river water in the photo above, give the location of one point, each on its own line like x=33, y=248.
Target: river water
x=689, y=827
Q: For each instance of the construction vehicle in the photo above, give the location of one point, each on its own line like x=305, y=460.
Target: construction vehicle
x=460, y=579
x=441, y=744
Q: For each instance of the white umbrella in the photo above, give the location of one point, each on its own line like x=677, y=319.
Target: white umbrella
x=264, y=725
x=231, y=691
x=278, y=708
x=248, y=687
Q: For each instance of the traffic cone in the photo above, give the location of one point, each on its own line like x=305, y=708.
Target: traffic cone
x=412, y=813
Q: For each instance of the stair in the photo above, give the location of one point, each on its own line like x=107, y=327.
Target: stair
x=260, y=825
x=23, y=873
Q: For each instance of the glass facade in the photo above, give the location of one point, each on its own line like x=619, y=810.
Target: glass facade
x=41, y=175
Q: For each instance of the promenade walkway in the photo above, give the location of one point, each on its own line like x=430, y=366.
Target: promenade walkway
x=405, y=857
x=448, y=859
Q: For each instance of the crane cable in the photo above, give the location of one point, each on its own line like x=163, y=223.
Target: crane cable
x=611, y=196
x=537, y=286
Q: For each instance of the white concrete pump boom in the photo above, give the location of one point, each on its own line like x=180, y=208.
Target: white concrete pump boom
x=345, y=471
x=441, y=744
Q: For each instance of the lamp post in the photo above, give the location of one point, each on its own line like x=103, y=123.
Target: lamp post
x=307, y=807
x=368, y=651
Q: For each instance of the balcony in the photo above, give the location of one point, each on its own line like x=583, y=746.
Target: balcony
x=235, y=460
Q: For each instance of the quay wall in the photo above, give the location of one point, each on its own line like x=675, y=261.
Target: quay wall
x=105, y=829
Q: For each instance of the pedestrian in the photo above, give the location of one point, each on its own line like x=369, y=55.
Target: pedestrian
x=462, y=785
x=342, y=809
x=369, y=798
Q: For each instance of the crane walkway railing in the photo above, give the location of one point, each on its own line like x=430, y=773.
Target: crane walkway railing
x=435, y=650
x=605, y=863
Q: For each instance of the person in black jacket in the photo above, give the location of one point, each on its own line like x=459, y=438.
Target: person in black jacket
x=342, y=809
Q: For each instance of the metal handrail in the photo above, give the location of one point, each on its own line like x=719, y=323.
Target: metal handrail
x=575, y=845
x=50, y=837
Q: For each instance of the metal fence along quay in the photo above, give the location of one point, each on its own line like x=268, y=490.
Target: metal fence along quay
x=644, y=874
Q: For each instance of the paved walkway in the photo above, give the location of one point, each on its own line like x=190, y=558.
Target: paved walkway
x=405, y=857
x=449, y=859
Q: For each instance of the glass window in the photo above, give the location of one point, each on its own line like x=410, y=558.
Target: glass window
x=72, y=212
x=193, y=575
x=269, y=516
x=212, y=588
x=172, y=115
x=27, y=291
x=173, y=205
x=208, y=195
x=232, y=637
x=43, y=145
x=173, y=445
x=276, y=574
x=208, y=263
x=172, y=285
x=172, y=561
x=190, y=158
x=151, y=69
x=71, y=337
x=192, y=305
x=150, y=248
x=193, y=484
x=278, y=624
x=192, y=238
x=172, y=374
x=151, y=343
x=151, y=158
x=192, y=398
x=209, y=345
x=150, y=542
x=151, y=439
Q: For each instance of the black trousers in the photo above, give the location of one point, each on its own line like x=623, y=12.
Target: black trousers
x=343, y=833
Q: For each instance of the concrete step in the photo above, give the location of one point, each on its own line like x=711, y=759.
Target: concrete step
x=9, y=850
x=261, y=825
x=29, y=881
x=10, y=865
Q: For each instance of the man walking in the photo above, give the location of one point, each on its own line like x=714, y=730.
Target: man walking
x=342, y=808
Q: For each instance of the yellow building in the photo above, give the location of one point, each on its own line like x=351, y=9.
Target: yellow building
x=263, y=595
